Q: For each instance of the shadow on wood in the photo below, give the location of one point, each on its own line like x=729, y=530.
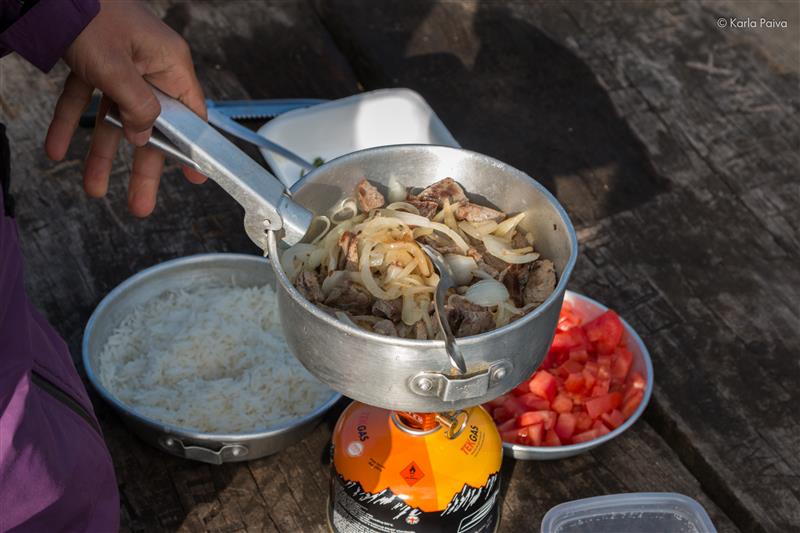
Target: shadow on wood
x=505, y=89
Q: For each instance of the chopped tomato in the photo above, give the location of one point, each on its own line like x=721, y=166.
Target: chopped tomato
x=637, y=382
x=565, y=425
x=600, y=428
x=513, y=405
x=544, y=385
x=622, y=363
x=548, y=418
x=521, y=389
x=501, y=414
x=575, y=382
x=588, y=379
x=585, y=436
x=533, y=403
x=509, y=436
x=535, y=434
x=603, y=404
x=579, y=354
x=605, y=332
x=583, y=422
x=571, y=366
x=584, y=389
x=568, y=318
x=574, y=338
x=562, y=403
x=632, y=403
x=614, y=419
x=497, y=402
x=601, y=387
x=508, y=425
x=551, y=438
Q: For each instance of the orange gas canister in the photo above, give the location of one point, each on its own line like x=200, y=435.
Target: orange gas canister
x=420, y=472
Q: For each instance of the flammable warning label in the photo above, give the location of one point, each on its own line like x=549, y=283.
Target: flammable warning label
x=412, y=473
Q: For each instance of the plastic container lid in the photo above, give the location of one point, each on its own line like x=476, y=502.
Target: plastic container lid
x=662, y=512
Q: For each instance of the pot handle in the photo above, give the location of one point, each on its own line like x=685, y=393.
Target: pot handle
x=267, y=205
x=455, y=388
x=227, y=452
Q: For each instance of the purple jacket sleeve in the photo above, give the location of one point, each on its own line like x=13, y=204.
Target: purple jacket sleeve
x=43, y=33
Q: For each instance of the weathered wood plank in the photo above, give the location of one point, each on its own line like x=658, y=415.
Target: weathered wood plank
x=705, y=265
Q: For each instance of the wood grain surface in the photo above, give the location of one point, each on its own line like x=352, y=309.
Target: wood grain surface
x=674, y=145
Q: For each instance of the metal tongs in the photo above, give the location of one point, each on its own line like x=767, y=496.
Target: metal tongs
x=180, y=133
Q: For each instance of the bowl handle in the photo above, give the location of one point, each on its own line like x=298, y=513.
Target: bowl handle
x=205, y=455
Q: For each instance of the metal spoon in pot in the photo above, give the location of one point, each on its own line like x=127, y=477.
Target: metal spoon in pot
x=445, y=283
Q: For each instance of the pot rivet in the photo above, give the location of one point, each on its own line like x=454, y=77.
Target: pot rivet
x=424, y=384
x=267, y=223
x=499, y=373
x=170, y=442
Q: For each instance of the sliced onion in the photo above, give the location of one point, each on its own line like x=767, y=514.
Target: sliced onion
x=487, y=293
x=449, y=218
x=366, y=275
x=486, y=226
x=470, y=229
x=411, y=311
x=344, y=210
x=502, y=250
x=417, y=220
x=336, y=278
x=402, y=206
x=344, y=317
x=397, y=191
x=295, y=257
x=462, y=267
x=507, y=226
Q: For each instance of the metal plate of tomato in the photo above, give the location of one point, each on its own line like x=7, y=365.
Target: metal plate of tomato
x=593, y=385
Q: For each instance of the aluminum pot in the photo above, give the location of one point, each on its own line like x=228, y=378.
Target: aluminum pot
x=416, y=375
x=178, y=274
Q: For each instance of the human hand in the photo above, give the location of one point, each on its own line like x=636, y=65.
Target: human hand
x=123, y=50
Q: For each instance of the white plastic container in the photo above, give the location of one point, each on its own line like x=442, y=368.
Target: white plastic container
x=378, y=118
x=637, y=512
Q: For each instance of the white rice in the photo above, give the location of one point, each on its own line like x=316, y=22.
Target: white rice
x=211, y=359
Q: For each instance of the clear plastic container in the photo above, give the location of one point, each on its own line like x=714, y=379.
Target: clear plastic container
x=638, y=512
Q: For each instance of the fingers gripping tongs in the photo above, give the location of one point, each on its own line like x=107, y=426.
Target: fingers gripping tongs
x=180, y=133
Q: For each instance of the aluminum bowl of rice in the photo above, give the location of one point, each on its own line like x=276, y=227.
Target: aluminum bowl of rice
x=191, y=354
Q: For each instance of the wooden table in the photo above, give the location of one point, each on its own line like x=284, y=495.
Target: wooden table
x=672, y=143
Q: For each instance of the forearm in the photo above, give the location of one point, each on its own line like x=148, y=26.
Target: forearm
x=42, y=33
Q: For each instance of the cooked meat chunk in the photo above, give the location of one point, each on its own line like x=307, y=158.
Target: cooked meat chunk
x=446, y=188
x=486, y=261
x=350, y=297
x=403, y=330
x=308, y=285
x=466, y=318
x=348, y=258
x=368, y=197
x=478, y=213
x=426, y=208
x=519, y=240
x=390, y=309
x=385, y=327
x=441, y=243
x=541, y=282
x=515, y=277
x=420, y=331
